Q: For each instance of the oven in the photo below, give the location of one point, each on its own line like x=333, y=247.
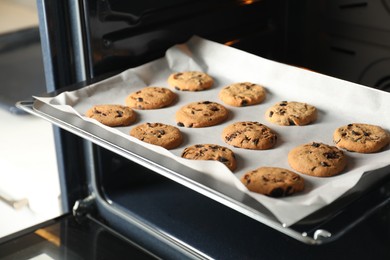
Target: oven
x=122, y=200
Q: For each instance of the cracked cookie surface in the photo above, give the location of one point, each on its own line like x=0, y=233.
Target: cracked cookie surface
x=112, y=115
x=159, y=134
x=151, y=98
x=242, y=94
x=211, y=152
x=249, y=135
x=190, y=81
x=273, y=181
x=317, y=159
x=287, y=113
x=201, y=114
x=361, y=138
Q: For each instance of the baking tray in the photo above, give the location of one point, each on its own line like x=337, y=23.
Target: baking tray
x=303, y=227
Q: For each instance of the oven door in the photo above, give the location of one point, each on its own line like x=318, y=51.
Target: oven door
x=66, y=237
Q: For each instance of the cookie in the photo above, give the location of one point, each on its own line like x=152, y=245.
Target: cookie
x=361, y=138
x=151, y=98
x=159, y=134
x=249, y=135
x=242, y=94
x=273, y=181
x=201, y=114
x=190, y=81
x=317, y=159
x=291, y=113
x=112, y=115
x=211, y=152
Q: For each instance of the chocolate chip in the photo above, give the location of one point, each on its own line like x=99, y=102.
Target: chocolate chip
x=214, y=108
x=331, y=155
x=247, y=178
x=277, y=192
x=244, y=102
x=177, y=75
x=315, y=144
x=180, y=124
x=271, y=113
x=119, y=113
x=325, y=164
x=140, y=99
x=355, y=133
x=223, y=159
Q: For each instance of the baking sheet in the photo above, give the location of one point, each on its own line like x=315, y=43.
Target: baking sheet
x=339, y=103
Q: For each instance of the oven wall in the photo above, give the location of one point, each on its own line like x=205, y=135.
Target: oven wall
x=123, y=34
x=347, y=39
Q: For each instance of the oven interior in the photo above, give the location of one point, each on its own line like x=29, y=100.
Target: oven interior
x=116, y=35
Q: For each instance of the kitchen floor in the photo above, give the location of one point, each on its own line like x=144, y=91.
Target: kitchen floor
x=29, y=185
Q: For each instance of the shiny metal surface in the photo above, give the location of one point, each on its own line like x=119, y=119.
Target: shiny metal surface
x=66, y=238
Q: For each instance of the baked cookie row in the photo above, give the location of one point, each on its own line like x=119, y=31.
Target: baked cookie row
x=314, y=159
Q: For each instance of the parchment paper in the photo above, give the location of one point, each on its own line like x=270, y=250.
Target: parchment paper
x=339, y=103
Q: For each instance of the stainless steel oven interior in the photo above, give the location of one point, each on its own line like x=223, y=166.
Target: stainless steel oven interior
x=85, y=41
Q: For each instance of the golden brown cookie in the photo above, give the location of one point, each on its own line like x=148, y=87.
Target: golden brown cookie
x=287, y=113
x=151, y=98
x=249, y=135
x=273, y=181
x=159, y=134
x=190, y=81
x=242, y=94
x=201, y=114
x=112, y=115
x=211, y=152
x=317, y=159
x=361, y=138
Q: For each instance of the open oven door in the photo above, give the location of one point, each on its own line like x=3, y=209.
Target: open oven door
x=68, y=238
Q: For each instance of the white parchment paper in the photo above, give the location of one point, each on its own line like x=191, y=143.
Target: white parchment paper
x=339, y=103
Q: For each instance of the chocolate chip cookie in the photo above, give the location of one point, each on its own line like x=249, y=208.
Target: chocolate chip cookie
x=159, y=134
x=190, y=81
x=317, y=159
x=273, y=181
x=361, y=138
x=112, y=115
x=291, y=113
x=249, y=135
x=211, y=152
x=201, y=114
x=242, y=94
x=151, y=98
